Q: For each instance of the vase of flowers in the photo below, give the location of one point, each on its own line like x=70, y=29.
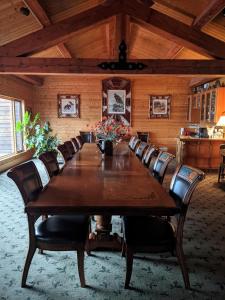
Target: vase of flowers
x=109, y=132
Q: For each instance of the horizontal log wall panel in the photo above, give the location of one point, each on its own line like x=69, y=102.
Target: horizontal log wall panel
x=162, y=132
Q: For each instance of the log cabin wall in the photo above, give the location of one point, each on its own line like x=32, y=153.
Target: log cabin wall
x=163, y=132
x=16, y=88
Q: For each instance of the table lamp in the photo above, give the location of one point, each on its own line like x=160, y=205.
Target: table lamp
x=221, y=122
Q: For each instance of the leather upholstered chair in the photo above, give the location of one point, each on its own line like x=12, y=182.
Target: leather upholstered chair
x=222, y=162
x=135, y=144
x=160, y=234
x=160, y=166
x=140, y=150
x=79, y=141
x=75, y=144
x=56, y=233
x=87, y=136
x=143, y=136
x=70, y=147
x=148, y=155
x=65, y=153
x=49, y=159
x=132, y=139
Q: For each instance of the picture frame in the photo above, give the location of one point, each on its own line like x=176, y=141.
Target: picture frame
x=116, y=99
x=68, y=106
x=159, y=106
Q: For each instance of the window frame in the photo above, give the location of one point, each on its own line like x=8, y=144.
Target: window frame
x=13, y=122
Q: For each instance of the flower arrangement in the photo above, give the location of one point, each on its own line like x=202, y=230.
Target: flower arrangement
x=111, y=130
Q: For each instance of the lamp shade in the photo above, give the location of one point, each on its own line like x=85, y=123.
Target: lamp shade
x=221, y=121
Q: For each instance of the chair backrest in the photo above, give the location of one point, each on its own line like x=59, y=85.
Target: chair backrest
x=87, y=136
x=161, y=164
x=148, y=155
x=182, y=186
x=64, y=151
x=75, y=144
x=140, y=150
x=49, y=159
x=143, y=136
x=79, y=141
x=132, y=139
x=27, y=179
x=135, y=144
x=70, y=147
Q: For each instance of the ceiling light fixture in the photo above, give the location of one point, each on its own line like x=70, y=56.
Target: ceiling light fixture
x=122, y=64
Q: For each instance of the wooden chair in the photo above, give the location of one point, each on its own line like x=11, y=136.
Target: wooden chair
x=222, y=162
x=56, y=233
x=49, y=159
x=65, y=153
x=75, y=144
x=140, y=150
x=143, y=136
x=79, y=141
x=158, y=234
x=161, y=164
x=70, y=147
x=135, y=144
x=148, y=155
x=131, y=141
x=87, y=136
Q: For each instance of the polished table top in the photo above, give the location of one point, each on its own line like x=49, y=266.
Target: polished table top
x=92, y=184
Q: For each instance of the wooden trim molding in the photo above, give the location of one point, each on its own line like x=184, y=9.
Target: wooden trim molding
x=16, y=159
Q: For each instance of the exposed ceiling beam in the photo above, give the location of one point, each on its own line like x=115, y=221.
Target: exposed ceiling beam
x=34, y=80
x=174, y=51
x=69, y=66
x=122, y=31
x=209, y=13
x=176, y=31
x=199, y=81
x=40, y=14
x=58, y=32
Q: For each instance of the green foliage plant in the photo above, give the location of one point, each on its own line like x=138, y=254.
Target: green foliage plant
x=37, y=134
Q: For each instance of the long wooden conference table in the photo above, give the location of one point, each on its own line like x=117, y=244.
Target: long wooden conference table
x=94, y=184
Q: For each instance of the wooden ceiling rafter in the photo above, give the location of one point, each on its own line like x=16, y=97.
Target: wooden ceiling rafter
x=68, y=66
x=176, y=31
x=40, y=14
x=34, y=80
x=58, y=32
x=209, y=13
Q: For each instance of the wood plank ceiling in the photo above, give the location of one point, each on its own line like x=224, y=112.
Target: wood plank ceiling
x=92, y=29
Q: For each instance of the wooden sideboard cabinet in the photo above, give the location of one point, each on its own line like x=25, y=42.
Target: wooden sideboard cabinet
x=206, y=106
x=200, y=153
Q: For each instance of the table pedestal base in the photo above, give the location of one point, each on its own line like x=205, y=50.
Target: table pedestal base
x=102, y=238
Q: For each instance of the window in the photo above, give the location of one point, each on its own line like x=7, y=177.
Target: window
x=11, y=142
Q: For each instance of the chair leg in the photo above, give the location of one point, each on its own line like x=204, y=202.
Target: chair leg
x=123, y=252
x=80, y=263
x=30, y=255
x=129, y=266
x=181, y=260
x=219, y=174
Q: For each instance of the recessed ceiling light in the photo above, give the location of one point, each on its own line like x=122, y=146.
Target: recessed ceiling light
x=24, y=11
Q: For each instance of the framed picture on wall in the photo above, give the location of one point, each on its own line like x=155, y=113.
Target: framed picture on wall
x=68, y=106
x=159, y=106
x=116, y=99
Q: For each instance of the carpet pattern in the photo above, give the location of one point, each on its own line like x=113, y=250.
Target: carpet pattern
x=54, y=275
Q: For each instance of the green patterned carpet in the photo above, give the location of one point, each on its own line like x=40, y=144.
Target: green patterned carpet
x=54, y=275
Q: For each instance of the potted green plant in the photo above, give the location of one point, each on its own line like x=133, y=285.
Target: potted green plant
x=37, y=134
